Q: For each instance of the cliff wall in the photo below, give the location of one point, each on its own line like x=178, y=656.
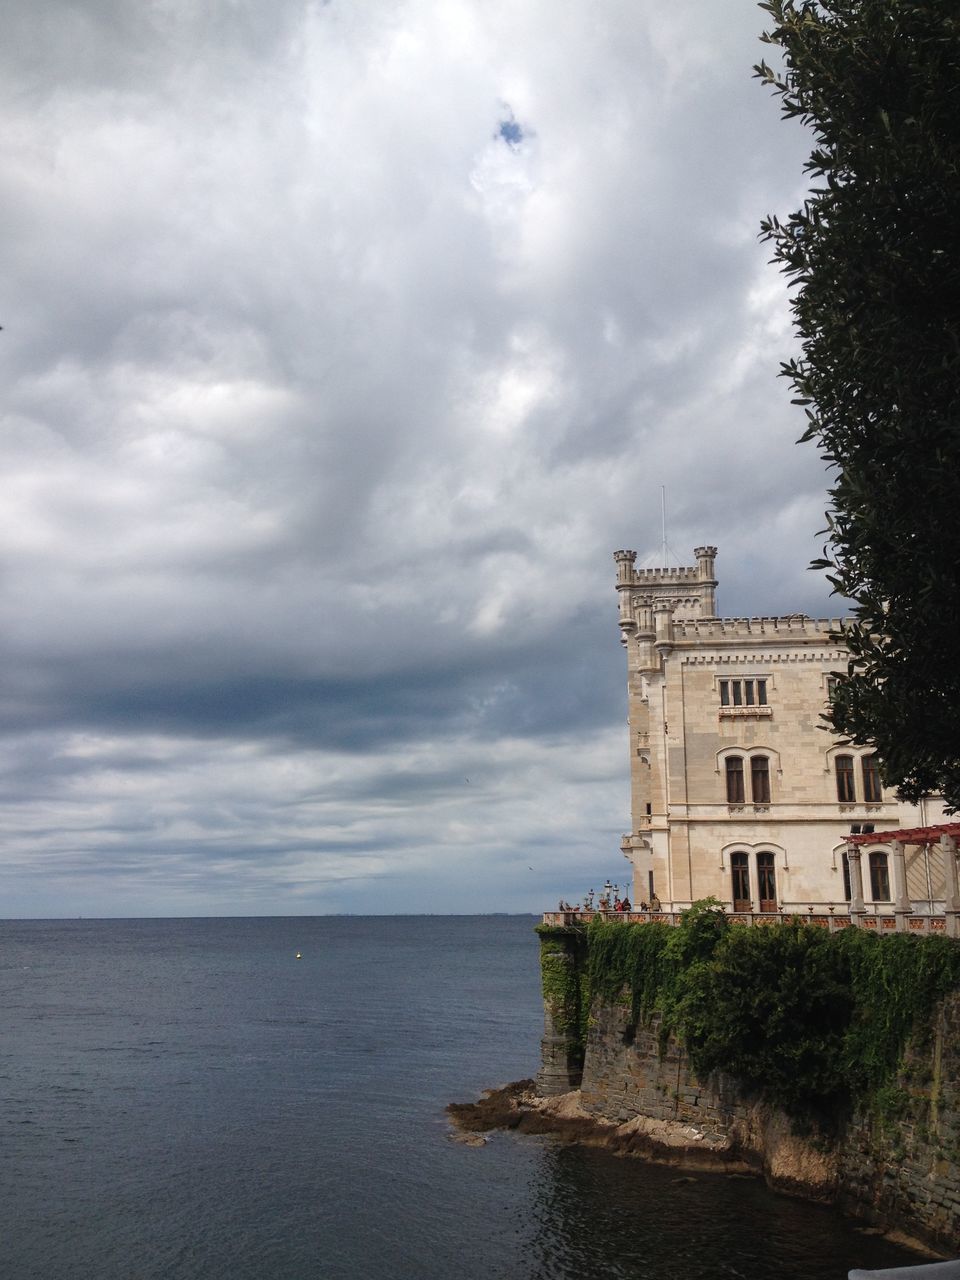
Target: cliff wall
x=893, y=1160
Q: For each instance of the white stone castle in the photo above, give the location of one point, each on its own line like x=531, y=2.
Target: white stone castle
x=737, y=790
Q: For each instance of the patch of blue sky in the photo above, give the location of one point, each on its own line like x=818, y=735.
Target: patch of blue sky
x=510, y=132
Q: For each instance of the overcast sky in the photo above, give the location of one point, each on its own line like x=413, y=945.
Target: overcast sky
x=343, y=345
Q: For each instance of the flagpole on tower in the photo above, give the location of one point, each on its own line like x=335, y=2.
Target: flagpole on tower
x=663, y=525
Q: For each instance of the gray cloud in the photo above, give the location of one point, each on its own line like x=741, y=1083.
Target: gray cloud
x=327, y=401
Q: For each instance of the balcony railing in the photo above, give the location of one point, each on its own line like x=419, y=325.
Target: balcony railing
x=899, y=922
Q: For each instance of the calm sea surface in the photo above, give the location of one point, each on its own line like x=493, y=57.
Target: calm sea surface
x=185, y=1098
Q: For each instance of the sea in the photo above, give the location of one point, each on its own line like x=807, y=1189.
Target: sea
x=250, y=1099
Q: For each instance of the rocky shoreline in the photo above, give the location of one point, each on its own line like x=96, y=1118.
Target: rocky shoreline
x=517, y=1107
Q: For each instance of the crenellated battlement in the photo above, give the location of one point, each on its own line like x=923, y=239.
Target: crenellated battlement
x=689, y=589
x=678, y=574
x=794, y=624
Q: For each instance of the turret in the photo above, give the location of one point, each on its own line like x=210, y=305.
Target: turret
x=663, y=622
x=625, y=562
x=707, y=573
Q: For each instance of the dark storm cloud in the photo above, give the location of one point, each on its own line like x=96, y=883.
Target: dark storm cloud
x=561, y=681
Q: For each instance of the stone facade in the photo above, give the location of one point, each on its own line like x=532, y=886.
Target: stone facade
x=737, y=791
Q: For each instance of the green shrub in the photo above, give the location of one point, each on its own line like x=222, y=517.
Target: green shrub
x=810, y=1020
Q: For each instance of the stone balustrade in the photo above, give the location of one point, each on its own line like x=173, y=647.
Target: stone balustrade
x=821, y=919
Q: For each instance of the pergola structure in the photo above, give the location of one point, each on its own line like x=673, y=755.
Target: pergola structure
x=943, y=837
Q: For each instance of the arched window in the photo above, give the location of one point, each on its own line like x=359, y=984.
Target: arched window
x=871, y=780
x=760, y=779
x=879, y=877
x=734, y=767
x=845, y=789
x=740, y=874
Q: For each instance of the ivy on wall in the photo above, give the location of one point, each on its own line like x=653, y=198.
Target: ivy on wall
x=811, y=1020
x=564, y=977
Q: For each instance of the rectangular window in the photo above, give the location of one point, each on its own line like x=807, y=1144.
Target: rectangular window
x=734, y=766
x=845, y=789
x=871, y=780
x=879, y=878
x=760, y=779
x=743, y=693
x=846, y=877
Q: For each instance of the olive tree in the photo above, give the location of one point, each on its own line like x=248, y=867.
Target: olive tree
x=873, y=258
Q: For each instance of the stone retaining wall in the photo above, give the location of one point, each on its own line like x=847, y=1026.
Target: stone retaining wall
x=900, y=1170
x=905, y=1168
